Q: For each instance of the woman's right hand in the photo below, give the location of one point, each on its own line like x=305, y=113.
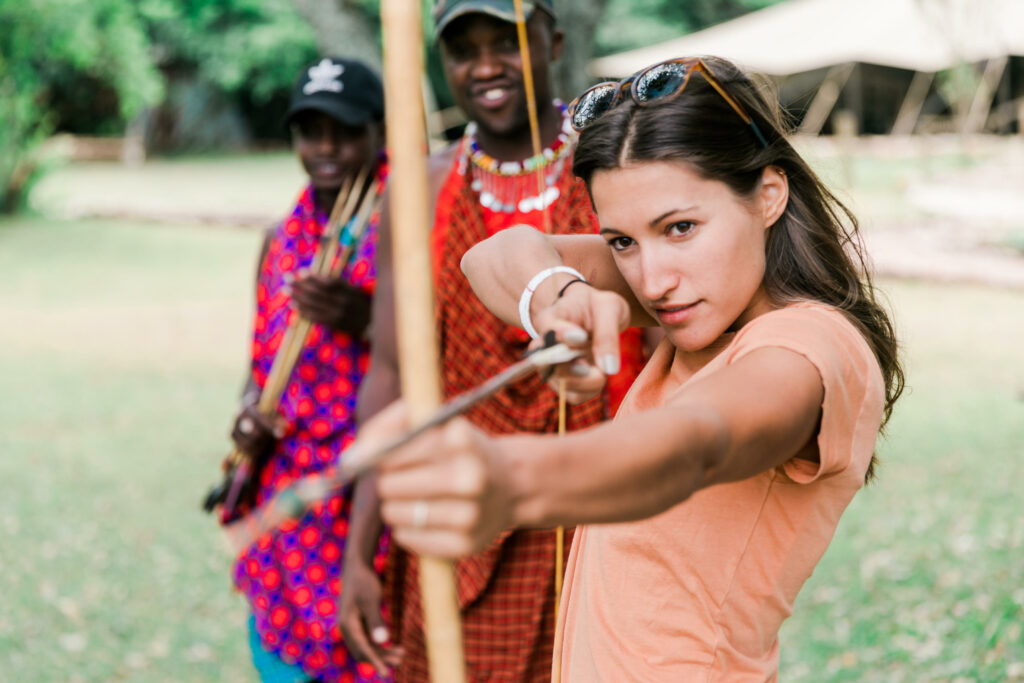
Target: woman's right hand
x=591, y=320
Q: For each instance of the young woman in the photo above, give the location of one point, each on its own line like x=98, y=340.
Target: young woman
x=708, y=501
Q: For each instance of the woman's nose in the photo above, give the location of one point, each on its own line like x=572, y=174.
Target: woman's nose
x=659, y=274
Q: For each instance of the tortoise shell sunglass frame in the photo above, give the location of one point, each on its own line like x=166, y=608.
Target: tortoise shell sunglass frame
x=656, y=83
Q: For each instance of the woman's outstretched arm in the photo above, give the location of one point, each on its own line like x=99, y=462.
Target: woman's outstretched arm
x=450, y=492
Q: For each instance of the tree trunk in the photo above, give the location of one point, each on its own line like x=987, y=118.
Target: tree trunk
x=342, y=29
x=579, y=20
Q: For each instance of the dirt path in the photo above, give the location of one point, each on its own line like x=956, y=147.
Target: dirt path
x=961, y=224
x=941, y=254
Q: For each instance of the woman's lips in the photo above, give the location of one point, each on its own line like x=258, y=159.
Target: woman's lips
x=674, y=315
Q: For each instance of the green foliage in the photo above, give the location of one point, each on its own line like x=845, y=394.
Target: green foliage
x=253, y=45
x=100, y=66
x=630, y=24
x=22, y=128
x=698, y=14
x=97, y=41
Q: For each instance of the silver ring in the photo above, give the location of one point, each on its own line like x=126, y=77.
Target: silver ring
x=246, y=425
x=420, y=512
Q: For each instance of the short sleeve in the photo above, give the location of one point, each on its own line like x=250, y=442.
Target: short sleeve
x=854, y=396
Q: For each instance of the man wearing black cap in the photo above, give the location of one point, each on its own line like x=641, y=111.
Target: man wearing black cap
x=292, y=578
x=488, y=181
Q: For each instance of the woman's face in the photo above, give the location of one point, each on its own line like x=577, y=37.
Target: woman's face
x=692, y=251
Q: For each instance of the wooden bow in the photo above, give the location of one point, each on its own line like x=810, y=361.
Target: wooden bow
x=414, y=300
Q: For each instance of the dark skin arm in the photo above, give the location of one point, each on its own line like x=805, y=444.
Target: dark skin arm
x=253, y=433
x=359, y=606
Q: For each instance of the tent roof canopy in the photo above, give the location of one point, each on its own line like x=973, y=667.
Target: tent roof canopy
x=803, y=35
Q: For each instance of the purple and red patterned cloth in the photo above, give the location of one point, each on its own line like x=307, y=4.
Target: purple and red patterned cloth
x=292, y=577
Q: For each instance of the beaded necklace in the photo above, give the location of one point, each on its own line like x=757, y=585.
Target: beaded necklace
x=511, y=186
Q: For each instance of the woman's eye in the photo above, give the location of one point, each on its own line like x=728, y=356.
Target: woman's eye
x=681, y=228
x=619, y=243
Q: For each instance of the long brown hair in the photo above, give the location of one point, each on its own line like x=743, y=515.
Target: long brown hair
x=813, y=252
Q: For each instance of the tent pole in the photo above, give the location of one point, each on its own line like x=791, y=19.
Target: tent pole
x=913, y=103
x=981, y=105
x=825, y=99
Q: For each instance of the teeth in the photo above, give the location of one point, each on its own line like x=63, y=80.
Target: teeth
x=494, y=94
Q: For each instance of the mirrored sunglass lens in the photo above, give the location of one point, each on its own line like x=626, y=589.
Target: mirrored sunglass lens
x=592, y=105
x=660, y=81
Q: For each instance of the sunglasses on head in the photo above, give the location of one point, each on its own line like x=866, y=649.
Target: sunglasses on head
x=660, y=82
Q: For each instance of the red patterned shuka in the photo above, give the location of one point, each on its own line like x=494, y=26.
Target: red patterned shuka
x=506, y=593
x=292, y=577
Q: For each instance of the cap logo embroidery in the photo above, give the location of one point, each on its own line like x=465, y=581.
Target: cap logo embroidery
x=324, y=76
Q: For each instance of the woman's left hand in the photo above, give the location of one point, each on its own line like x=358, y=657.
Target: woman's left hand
x=590, y=321
x=446, y=494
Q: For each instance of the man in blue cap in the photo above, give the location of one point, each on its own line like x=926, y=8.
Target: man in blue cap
x=487, y=181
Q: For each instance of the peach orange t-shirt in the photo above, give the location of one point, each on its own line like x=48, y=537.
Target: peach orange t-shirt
x=698, y=592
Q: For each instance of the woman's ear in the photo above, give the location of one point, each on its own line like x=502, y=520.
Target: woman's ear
x=774, y=194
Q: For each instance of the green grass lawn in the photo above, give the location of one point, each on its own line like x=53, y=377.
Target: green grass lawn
x=925, y=578
x=121, y=353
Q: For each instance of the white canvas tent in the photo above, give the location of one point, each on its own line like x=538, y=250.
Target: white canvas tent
x=799, y=36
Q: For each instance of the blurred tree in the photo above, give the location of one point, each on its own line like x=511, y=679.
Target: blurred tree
x=108, y=61
x=579, y=19
x=345, y=27
x=629, y=24
x=46, y=48
x=229, y=64
x=352, y=27
x=694, y=15
x=253, y=45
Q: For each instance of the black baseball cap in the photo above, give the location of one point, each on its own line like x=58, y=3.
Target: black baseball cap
x=345, y=89
x=446, y=11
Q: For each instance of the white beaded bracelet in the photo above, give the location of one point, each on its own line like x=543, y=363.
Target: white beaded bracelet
x=527, y=297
